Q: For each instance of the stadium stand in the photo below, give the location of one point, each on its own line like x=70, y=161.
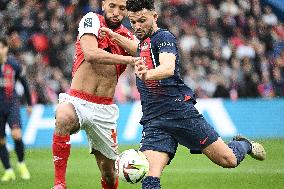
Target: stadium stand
x=230, y=49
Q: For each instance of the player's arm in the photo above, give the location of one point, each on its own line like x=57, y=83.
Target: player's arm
x=167, y=49
x=22, y=78
x=88, y=33
x=24, y=82
x=127, y=44
x=93, y=54
x=164, y=70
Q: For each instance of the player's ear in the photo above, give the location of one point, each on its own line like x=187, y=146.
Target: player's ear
x=103, y=5
x=155, y=14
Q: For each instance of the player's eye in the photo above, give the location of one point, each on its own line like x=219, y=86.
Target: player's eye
x=111, y=5
x=142, y=20
x=132, y=22
x=122, y=8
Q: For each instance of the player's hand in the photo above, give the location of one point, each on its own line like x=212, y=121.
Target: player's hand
x=134, y=60
x=106, y=31
x=141, y=70
x=29, y=110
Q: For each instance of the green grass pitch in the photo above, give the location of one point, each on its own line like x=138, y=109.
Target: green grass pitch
x=186, y=171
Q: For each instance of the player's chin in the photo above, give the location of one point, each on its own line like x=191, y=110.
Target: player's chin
x=140, y=35
x=114, y=25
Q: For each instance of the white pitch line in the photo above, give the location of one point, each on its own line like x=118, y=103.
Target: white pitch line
x=229, y=171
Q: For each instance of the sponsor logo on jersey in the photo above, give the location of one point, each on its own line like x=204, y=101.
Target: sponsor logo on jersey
x=88, y=22
x=166, y=44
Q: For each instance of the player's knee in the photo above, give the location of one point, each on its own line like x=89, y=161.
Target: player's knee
x=66, y=119
x=229, y=161
x=16, y=134
x=2, y=141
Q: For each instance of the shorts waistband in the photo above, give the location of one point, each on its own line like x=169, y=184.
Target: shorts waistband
x=90, y=98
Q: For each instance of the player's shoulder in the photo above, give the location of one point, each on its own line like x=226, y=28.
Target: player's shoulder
x=163, y=34
x=92, y=15
x=90, y=19
x=90, y=23
x=12, y=61
x=125, y=32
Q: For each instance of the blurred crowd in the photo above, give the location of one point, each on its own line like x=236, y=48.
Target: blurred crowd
x=229, y=48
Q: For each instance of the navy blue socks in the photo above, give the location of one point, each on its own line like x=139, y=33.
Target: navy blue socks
x=151, y=183
x=4, y=155
x=240, y=149
x=19, y=148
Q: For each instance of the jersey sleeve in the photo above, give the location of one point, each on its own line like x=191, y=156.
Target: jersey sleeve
x=90, y=24
x=166, y=42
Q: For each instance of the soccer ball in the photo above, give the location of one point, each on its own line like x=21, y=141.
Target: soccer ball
x=131, y=166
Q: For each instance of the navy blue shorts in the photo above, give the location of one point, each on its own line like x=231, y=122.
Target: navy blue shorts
x=11, y=115
x=165, y=132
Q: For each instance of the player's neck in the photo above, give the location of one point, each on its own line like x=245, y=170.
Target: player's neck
x=155, y=29
x=3, y=60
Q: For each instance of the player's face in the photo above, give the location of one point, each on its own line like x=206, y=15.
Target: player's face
x=3, y=52
x=143, y=22
x=114, y=12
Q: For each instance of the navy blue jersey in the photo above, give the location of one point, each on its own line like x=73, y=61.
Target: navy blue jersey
x=10, y=72
x=159, y=97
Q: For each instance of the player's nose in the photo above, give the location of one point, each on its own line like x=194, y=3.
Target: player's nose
x=116, y=12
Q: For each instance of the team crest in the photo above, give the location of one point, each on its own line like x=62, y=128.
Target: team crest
x=145, y=46
x=8, y=72
x=88, y=23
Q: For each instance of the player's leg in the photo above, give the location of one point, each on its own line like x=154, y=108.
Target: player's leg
x=230, y=155
x=4, y=154
x=102, y=136
x=207, y=139
x=159, y=148
x=67, y=122
x=16, y=131
x=219, y=153
x=195, y=132
x=109, y=178
x=157, y=163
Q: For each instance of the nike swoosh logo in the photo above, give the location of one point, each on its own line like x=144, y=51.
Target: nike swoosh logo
x=203, y=141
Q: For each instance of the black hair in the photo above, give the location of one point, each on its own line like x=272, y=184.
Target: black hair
x=4, y=42
x=138, y=5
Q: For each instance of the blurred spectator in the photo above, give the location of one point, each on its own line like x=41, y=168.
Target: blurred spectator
x=230, y=48
x=268, y=17
x=229, y=8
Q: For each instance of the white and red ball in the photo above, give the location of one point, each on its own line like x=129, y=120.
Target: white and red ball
x=132, y=166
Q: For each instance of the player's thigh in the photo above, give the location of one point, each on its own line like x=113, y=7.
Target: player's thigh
x=14, y=122
x=67, y=120
x=158, y=146
x=158, y=140
x=13, y=118
x=193, y=132
x=219, y=153
x=157, y=162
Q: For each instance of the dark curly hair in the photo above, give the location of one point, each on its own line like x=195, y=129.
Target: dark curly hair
x=138, y=5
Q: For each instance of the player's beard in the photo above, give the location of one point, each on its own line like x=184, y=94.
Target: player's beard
x=110, y=24
x=147, y=34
